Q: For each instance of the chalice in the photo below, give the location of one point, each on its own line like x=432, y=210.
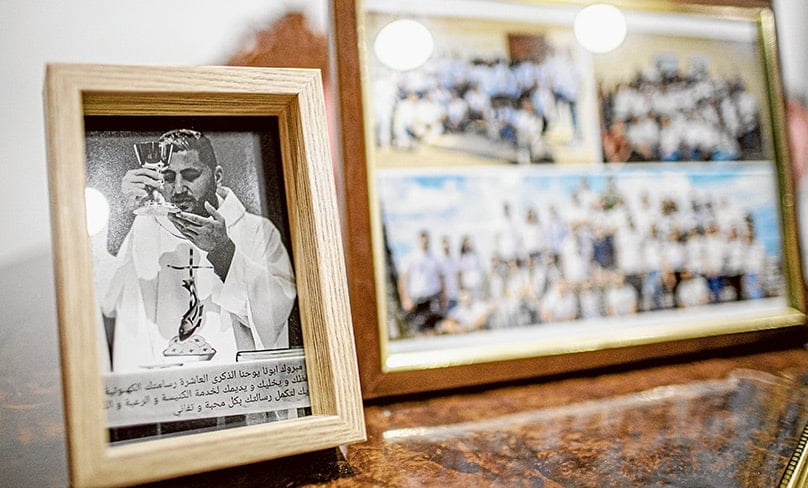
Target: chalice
x=156, y=156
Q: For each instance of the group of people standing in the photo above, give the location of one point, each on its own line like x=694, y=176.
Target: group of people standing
x=662, y=115
x=588, y=256
x=510, y=103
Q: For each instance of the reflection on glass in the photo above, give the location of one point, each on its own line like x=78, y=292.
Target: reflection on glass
x=97, y=209
x=404, y=44
x=600, y=28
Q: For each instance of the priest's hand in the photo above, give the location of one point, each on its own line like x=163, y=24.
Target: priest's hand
x=208, y=234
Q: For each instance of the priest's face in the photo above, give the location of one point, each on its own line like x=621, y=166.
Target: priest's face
x=189, y=183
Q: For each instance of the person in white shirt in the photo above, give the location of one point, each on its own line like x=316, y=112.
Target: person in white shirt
x=557, y=231
x=384, y=98
x=652, y=265
x=560, y=304
x=643, y=134
x=450, y=270
x=508, y=243
x=576, y=256
x=692, y=290
x=538, y=278
x=467, y=316
x=749, y=116
x=528, y=127
x=404, y=119
x=735, y=264
x=512, y=305
x=496, y=292
x=754, y=266
x=457, y=113
x=621, y=298
x=471, y=270
x=479, y=105
x=629, y=254
x=535, y=242
x=590, y=298
x=714, y=258
x=564, y=79
x=428, y=122
x=671, y=135
x=694, y=250
x=420, y=287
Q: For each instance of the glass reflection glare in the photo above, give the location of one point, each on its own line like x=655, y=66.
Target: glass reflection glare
x=404, y=44
x=600, y=28
x=97, y=209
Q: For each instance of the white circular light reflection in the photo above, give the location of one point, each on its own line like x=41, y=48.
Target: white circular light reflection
x=404, y=44
x=600, y=28
x=97, y=209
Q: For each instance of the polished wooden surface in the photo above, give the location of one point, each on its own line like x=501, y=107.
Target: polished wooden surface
x=714, y=422
x=735, y=414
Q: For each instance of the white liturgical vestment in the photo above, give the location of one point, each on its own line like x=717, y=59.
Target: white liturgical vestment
x=143, y=290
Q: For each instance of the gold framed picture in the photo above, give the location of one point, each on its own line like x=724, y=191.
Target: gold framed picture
x=203, y=309
x=527, y=200
x=796, y=472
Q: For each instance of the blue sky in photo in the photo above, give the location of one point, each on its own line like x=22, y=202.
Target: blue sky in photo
x=469, y=201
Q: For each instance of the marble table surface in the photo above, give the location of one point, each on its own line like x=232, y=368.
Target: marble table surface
x=730, y=419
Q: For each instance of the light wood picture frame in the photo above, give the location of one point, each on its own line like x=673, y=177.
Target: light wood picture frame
x=244, y=108
x=441, y=181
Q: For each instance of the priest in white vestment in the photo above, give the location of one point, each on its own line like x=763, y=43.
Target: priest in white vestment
x=203, y=282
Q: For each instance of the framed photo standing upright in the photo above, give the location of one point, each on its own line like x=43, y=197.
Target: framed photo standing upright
x=203, y=307
x=526, y=200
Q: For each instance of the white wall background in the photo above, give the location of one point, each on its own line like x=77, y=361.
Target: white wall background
x=182, y=32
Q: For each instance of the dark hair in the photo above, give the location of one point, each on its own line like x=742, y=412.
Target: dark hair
x=191, y=140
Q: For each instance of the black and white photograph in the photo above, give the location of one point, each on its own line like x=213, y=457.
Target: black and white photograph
x=192, y=264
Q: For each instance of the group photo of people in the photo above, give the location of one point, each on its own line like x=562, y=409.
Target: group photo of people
x=664, y=113
x=594, y=247
x=515, y=95
x=528, y=93
x=513, y=110
x=555, y=236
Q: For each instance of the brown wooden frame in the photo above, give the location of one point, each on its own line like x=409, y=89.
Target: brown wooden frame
x=295, y=98
x=377, y=381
